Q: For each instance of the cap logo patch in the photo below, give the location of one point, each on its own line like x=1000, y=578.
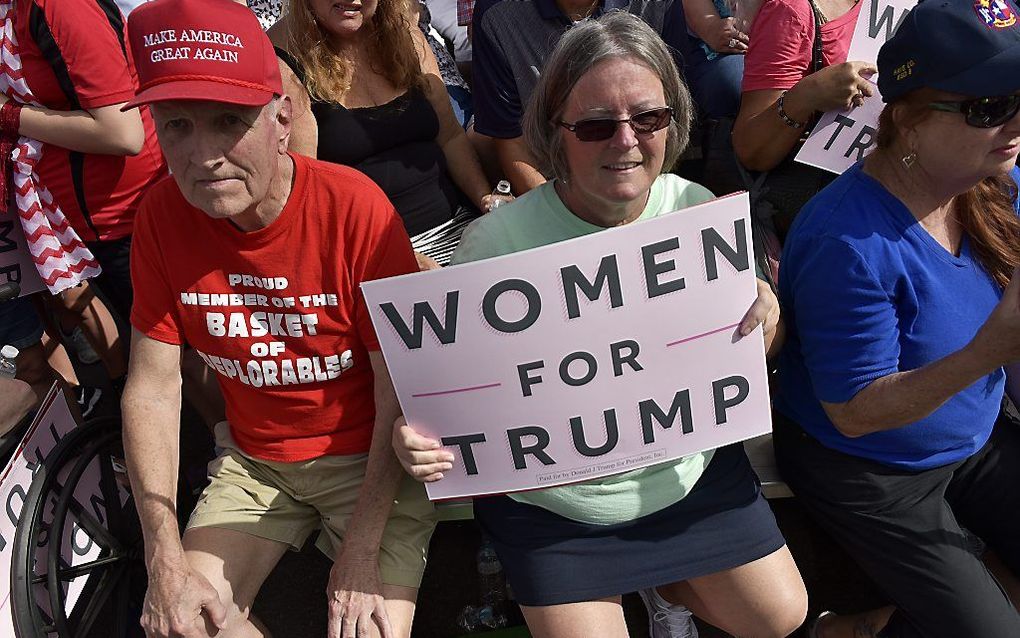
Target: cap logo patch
x=162, y=46
x=996, y=14
x=905, y=70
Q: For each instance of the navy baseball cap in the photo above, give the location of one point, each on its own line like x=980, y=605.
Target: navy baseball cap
x=971, y=47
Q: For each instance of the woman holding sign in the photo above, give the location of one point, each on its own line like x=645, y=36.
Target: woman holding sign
x=903, y=302
x=795, y=69
x=608, y=118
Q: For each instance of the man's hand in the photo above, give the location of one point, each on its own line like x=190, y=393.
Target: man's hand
x=176, y=600
x=355, y=597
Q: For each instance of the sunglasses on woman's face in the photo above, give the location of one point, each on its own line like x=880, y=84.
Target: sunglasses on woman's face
x=982, y=112
x=603, y=128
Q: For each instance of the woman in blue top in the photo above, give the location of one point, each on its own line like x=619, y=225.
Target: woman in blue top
x=898, y=287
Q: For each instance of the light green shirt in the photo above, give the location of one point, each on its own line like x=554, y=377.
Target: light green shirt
x=539, y=218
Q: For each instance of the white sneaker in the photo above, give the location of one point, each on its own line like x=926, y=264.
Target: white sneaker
x=666, y=620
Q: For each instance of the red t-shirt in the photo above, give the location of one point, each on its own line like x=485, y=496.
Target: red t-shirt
x=278, y=312
x=782, y=36
x=102, y=75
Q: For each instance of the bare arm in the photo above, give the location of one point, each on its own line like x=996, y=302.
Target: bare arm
x=761, y=139
x=176, y=596
x=304, y=130
x=518, y=165
x=902, y=398
x=706, y=23
x=105, y=130
x=383, y=472
x=465, y=169
x=151, y=408
x=355, y=589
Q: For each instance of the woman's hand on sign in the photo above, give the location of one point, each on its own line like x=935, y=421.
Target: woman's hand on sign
x=422, y=457
x=835, y=88
x=763, y=312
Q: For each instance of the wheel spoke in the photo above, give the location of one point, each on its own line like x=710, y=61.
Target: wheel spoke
x=67, y=575
x=91, y=526
x=110, y=490
x=108, y=581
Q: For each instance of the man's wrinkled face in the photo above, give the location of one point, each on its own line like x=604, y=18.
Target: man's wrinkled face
x=222, y=156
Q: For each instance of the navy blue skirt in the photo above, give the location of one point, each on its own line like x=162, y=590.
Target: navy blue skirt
x=551, y=560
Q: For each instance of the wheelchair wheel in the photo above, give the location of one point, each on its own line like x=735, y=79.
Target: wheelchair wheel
x=78, y=568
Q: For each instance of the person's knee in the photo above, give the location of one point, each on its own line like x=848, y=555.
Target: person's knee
x=789, y=614
x=19, y=399
x=785, y=611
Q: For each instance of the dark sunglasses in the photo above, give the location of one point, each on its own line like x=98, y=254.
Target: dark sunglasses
x=982, y=112
x=603, y=128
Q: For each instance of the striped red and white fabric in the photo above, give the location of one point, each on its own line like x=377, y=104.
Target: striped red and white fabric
x=60, y=255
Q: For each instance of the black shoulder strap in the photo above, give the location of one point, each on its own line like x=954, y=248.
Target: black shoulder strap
x=817, y=57
x=292, y=62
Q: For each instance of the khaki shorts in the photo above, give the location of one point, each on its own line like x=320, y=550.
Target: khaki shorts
x=286, y=502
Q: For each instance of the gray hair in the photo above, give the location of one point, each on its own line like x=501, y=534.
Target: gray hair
x=616, y=34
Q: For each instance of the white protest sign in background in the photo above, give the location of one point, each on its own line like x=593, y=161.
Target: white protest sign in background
x=582, y=359
x=16, y=264
x=841, y=138
x=53, y=422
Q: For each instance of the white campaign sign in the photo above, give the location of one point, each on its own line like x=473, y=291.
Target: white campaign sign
x=586, y=358
x=16, y=264
x=841, y=138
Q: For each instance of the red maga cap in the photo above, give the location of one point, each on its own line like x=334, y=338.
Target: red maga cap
x=201, y=50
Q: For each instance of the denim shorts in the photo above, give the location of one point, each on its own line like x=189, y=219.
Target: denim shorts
x=19, y=324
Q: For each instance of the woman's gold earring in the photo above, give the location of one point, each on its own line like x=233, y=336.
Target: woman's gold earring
x=909, y=160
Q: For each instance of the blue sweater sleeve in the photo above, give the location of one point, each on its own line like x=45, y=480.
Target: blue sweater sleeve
x=845, y=320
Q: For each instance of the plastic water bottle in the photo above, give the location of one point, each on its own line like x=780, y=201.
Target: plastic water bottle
x=502, y=190
x=467, y=620
x=492, y=588
x=8, y=362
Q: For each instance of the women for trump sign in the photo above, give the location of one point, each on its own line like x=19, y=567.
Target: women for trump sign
x=581, y=359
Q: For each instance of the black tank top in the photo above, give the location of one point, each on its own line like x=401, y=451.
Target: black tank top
x=395, y=145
